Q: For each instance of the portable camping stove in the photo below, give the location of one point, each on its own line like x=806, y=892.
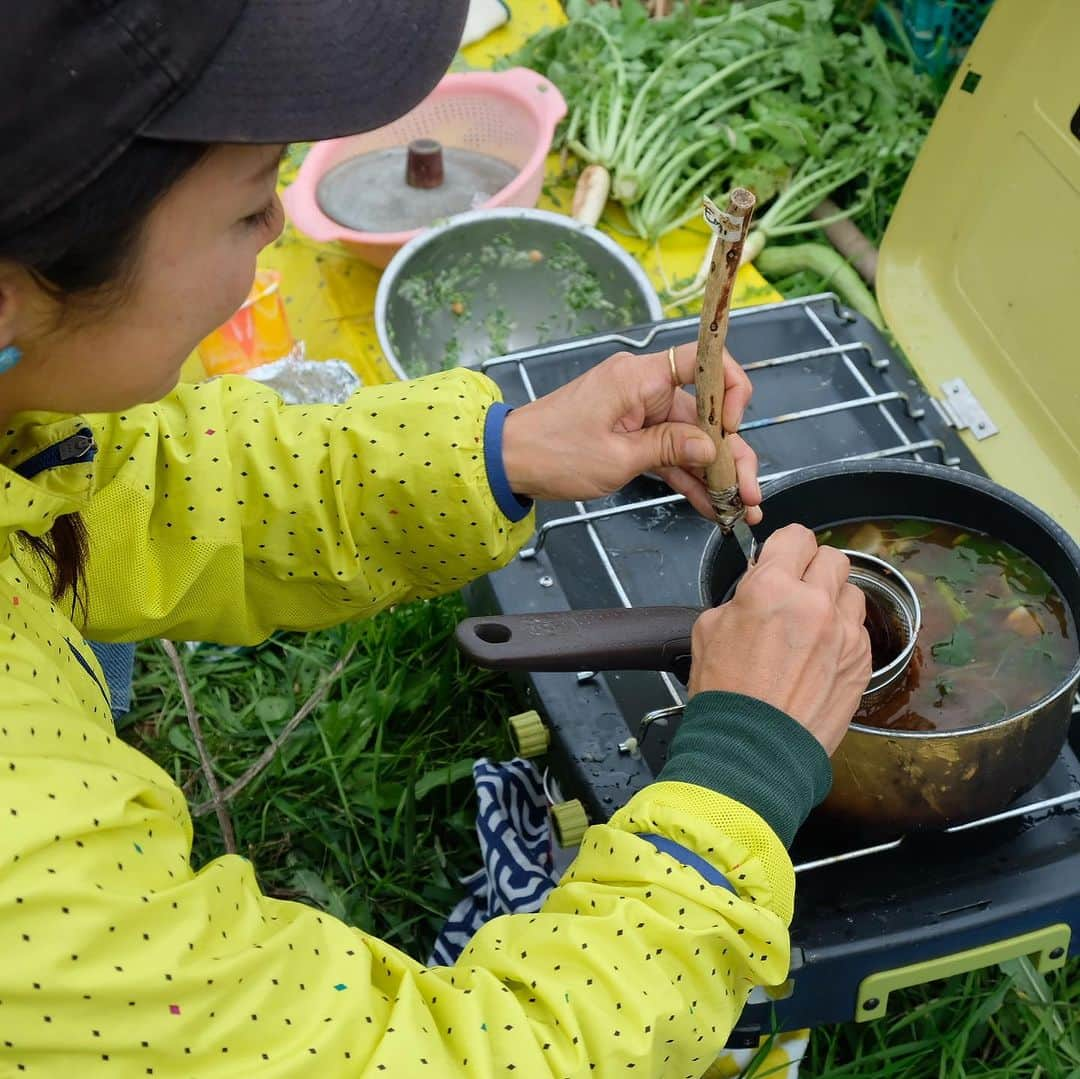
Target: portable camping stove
x=826, y=387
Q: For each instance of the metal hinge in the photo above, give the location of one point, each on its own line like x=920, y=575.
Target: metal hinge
x=961, y=409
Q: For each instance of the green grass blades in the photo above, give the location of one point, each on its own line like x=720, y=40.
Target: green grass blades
x=367, y=811
x=985, y=1025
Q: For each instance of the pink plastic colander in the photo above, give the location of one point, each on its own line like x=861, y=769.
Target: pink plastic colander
x=507, y=114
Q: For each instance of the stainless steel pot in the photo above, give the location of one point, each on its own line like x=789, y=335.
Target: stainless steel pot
x=897, y=780
x=511, y=301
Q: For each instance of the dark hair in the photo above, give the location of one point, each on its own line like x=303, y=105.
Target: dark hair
x=83, y=252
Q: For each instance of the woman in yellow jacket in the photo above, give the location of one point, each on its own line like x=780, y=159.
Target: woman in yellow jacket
x=137, y=188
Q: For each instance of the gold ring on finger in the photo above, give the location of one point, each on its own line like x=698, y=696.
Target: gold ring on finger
x=676, y=382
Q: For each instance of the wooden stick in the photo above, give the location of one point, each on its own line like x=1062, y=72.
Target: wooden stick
x=731, y=228
x=217, y=802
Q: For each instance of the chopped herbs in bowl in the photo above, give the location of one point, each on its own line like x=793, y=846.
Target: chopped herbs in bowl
x=491, y=282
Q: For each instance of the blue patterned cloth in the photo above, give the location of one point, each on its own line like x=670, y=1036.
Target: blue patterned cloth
x=515, y=844
x=118, y=663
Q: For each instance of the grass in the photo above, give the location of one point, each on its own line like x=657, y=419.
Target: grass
x=367, y=813
x=974, y=1025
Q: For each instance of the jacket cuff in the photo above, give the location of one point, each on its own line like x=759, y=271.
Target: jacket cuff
x=753, y=753
x=515, y=509
x=729, y=835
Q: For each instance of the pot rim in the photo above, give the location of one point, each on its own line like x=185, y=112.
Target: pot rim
x=812, y=473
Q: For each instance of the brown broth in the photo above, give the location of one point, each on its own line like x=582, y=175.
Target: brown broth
x=996, y=634
x=887, y=635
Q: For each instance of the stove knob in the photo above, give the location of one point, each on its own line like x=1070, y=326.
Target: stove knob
x=569, y=821
x=529, y=735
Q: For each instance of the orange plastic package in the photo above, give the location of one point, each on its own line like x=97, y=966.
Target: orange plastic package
x=258, y=333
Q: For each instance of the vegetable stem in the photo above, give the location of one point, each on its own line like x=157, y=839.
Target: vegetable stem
x=781, y=261
x=628, y=164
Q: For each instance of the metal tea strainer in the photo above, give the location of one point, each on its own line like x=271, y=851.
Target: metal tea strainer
x=887, y=589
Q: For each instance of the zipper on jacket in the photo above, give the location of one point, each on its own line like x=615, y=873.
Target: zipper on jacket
x=85, y=664
x=77, y=447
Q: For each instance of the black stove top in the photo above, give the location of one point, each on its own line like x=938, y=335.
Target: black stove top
x=826, y=386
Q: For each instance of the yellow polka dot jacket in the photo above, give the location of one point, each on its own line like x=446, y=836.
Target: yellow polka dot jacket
x=222, y=514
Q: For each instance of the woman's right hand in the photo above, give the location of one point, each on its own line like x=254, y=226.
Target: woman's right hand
x=792, y=636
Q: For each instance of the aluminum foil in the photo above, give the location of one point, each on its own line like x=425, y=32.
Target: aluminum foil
x=301, y=381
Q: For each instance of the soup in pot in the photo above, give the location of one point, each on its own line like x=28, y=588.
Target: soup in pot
x=996, y=635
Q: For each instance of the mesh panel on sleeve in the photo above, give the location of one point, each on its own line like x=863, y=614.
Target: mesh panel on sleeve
x=138, y=590
x=728, y=833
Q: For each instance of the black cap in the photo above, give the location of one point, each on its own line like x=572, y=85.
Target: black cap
x=80, y=80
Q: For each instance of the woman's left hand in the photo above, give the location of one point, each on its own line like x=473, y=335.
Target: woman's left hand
x=624, y=417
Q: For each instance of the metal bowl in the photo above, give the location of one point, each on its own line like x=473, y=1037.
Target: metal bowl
x=490, y=282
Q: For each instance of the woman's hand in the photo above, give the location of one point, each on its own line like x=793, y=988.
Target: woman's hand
x=791, y=636
x=621, y=418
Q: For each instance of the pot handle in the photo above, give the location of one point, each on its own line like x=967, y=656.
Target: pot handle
x=620, y=639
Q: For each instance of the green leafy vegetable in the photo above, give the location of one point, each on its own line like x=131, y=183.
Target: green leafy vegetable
x=453, y=352
x=789, y=97
x=799, y=100
x=912, y=528
x=962, y=567
x=957, y=607
x=1034, y=660
x=428, y=292
x=958, y=650
x=499, y=326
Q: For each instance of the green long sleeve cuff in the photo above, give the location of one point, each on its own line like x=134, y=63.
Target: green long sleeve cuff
x=746, y=749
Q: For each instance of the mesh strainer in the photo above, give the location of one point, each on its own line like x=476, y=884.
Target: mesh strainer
x=510, y=115
x=887, y=589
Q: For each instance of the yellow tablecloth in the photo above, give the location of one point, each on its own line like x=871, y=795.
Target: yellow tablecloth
x=330, y=295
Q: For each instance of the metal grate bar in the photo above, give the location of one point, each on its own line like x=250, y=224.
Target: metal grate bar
x=651, y=332
x=856, y=373
x=891, y=451
x=587, y=516
x=834, y=348
x=527, y=553
x=905, y=445
x=1022, y=810
x=878, y=399
x=877, y=362
x=1017, y=811
x=848, y=856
